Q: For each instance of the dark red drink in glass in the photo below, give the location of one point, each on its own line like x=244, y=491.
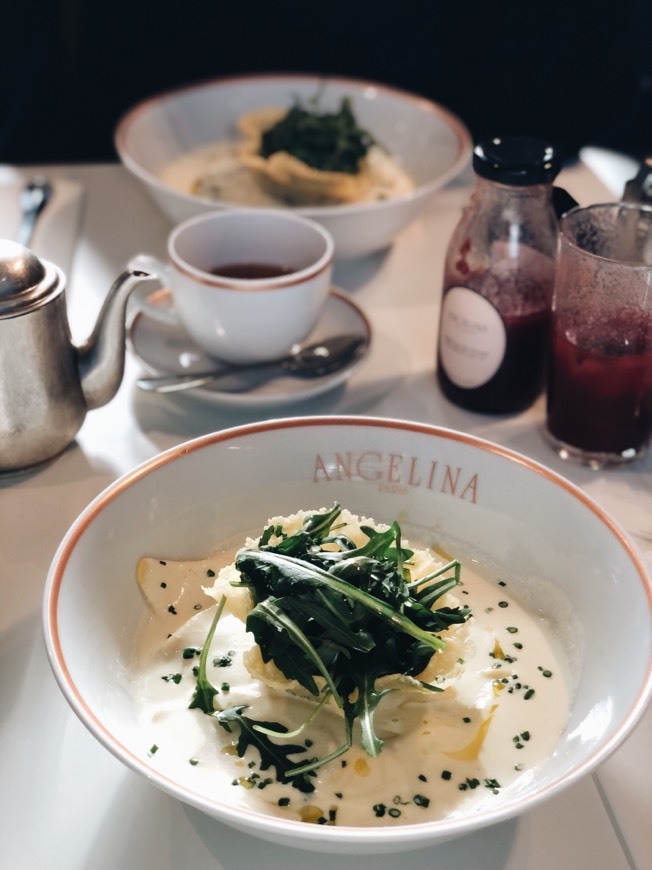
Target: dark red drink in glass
x=599, y=399
x=600, y=361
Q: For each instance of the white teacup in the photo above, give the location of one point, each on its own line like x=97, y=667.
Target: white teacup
x=247, y=284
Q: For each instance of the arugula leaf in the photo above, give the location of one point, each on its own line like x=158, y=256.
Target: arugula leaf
x=271, y=754
x=287, y=572
x=205, y=692
x=363, y=709
x=284, y=628
x=346, y=614
x=335, y=617
x=317, y=526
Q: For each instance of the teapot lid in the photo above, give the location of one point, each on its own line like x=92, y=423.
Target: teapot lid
x=24, y=280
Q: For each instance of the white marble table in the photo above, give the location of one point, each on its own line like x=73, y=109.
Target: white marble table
x=65, y=801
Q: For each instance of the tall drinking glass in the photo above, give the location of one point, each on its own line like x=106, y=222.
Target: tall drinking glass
x=600, y=362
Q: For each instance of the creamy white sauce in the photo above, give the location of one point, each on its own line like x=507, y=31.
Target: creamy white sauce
x=497, y=721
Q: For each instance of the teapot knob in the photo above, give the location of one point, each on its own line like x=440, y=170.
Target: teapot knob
x=23, y=277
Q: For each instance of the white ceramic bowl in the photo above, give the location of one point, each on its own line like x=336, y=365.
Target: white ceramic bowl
x=432, y=145
x=481, y=501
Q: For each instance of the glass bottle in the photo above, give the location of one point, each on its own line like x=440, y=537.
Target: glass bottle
x=498, y=279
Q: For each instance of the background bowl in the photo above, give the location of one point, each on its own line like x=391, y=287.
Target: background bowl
x=479, y=500
x=432, y=145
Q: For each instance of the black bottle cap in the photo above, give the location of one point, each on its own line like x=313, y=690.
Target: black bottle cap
x=517, y=160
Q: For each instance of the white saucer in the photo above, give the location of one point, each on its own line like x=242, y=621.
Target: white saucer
x=165, y=348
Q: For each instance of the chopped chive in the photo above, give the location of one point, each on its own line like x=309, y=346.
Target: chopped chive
x=222, y=661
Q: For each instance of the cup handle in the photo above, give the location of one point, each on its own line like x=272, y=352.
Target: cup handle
x=155, y=266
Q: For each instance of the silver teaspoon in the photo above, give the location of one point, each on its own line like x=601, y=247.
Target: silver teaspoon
x=33, y=199
x=312, y=361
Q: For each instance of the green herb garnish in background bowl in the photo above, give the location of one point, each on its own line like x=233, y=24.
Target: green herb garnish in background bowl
x=329, y=141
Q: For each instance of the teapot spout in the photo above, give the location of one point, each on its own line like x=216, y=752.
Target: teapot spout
x=101, y=359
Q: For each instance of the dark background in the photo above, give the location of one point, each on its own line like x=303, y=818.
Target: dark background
x=573, y=72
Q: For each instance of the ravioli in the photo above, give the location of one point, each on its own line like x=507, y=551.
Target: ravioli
x=502, y=710
x=236, y=172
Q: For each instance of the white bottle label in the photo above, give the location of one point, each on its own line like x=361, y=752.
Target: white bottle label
x=472, y=338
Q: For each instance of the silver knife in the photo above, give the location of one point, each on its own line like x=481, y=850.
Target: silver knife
x=33, y=199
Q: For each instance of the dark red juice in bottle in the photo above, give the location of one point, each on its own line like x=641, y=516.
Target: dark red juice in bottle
x=498, y=280
x=600, y=393
x=493, y=335
x=520, y=377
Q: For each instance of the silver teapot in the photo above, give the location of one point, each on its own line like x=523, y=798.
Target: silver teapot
x=47, y=384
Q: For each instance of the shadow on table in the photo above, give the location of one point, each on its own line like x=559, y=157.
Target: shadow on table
x=144, y=828
x=489, y=849
x=185, y=416
x=67, y=468
x=356, y=273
